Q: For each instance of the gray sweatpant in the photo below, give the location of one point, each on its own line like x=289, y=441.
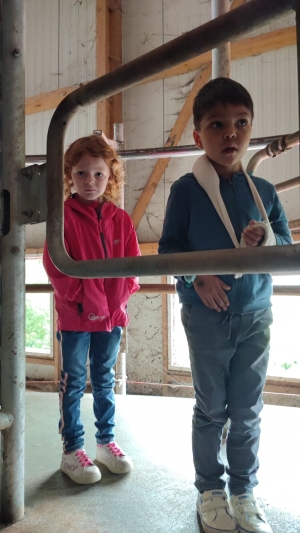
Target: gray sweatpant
x=229, y=356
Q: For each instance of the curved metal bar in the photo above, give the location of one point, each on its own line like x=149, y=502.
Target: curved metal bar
x=273, y=259
x=193, y=43
x=288, y=185
x=273, y=149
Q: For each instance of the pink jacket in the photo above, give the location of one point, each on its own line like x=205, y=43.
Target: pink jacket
x=93, y=231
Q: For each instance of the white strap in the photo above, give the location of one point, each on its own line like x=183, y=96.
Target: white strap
x=208, y=178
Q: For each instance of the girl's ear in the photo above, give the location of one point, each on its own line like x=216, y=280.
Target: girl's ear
x=197, y=139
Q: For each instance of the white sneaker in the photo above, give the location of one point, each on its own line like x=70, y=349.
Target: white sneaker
x=249, y=517
x=214, y=512
x=78, y=466
x=112, y=456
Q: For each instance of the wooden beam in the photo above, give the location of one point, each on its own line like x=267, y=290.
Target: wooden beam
x=239, y=49
x=287, y=400
x=102, y=62
x=252, y=46
x=294, y=224
x=45, y=101
x=236, y=3
x=148, y=248
x=39, y=360
x=173, y=139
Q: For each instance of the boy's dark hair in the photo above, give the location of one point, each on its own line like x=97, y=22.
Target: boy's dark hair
x=220, y=91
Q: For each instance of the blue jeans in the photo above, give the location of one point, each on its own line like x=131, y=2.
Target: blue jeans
x=229, y=357
x=102, y=348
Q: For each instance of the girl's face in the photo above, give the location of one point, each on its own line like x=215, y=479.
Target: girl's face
x=90, y=177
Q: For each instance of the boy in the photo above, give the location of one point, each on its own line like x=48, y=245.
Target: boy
x=226, y=318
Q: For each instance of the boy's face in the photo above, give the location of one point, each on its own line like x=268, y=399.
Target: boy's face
x=224, y=135
x=90, y=177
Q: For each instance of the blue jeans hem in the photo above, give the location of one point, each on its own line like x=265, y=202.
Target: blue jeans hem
x=73, y=448
x=105, y=441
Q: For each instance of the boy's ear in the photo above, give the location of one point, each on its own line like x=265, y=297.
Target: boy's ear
x=197, y=139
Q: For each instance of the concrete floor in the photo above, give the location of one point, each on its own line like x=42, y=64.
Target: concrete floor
x=158, y=496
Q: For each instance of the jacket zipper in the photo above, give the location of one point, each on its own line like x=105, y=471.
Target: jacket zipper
x=99, y=214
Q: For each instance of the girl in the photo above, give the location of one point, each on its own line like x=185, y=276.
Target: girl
x=91, y=312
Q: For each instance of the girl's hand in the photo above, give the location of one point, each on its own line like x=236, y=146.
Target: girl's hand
x=253, y=236
x=211, y=290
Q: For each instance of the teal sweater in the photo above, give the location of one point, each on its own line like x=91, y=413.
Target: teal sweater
x=192, y=224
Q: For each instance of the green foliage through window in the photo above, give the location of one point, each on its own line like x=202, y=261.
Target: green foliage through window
x=37, y=326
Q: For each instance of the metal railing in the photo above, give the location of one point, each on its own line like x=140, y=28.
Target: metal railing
x=193, y=43
x=167, y=151
x=161, y=288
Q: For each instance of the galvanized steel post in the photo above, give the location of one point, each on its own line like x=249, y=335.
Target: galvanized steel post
x=220, y=55
x=13, y=264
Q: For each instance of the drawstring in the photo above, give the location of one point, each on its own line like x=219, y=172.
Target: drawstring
x=229, y=319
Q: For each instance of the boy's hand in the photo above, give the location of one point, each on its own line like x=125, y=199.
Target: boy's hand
x=211, y=290
x=253, y=236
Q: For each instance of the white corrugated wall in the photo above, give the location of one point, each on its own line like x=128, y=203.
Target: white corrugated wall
x=60, y=52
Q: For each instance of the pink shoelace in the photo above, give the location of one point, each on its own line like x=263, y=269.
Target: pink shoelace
x=83, y=458
x=115, y=450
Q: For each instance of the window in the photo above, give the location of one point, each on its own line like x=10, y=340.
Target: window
x=178, y=352
x=285, y=344
x=39, y=312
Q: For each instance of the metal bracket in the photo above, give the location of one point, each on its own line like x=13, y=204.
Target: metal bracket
x=33, y=195
x=6, y=420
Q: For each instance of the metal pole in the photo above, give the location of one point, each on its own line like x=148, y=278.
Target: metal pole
x=121, y=376
x=287, y=185
x=273, y=149
x=169, y=151
x=211, y=35
x=13, y=261
x=149, y=288
x=220, y=55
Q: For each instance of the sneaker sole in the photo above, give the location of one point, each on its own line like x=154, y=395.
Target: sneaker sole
x=208, y=529
x=113, y=470
x=242, y=530
x=82, y=481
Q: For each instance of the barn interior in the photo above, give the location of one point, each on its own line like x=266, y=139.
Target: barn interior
x=151, y=59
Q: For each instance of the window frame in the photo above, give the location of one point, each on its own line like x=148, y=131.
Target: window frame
x=32, y=356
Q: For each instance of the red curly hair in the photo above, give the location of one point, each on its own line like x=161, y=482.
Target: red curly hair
x=96, y=146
